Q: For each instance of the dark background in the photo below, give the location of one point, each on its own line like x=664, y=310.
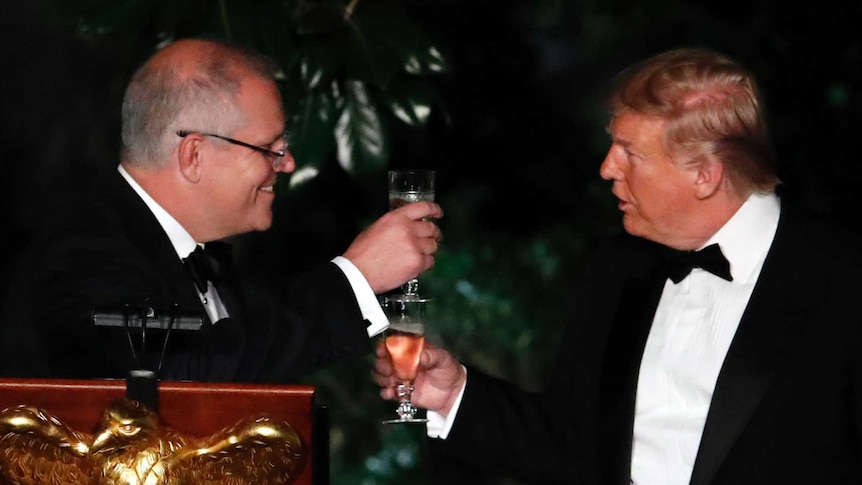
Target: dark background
x=517, y=143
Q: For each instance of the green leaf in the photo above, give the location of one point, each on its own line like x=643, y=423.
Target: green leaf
x=410, y=100
x=366, y=61
x=386, y=27
x=311, y=121
x=319, y=63
x=276, y=38
x=359, y=133
x=426, y=59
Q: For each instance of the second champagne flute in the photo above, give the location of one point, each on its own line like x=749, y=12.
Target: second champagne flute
x=404, y=340
x=407, y=186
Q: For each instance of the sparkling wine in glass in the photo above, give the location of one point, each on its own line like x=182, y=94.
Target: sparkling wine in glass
x=404, y=340
x=407, y=186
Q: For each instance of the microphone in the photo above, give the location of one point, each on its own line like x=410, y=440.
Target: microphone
x=147, y=318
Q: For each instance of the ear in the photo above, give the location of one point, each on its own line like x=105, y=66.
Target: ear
x=709, y=177
x=190, y=157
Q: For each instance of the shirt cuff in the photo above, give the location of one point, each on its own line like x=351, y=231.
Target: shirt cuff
x=439, y=426
x=369, y=305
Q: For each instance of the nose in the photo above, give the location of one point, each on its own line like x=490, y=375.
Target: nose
x=285, y=164
x=609, y=170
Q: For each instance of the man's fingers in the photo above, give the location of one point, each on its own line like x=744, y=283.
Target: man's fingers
x=430, y=230
x=380, y=349
x=421, y=210
x=383, y=374
x=430, y=356
x=427, y=246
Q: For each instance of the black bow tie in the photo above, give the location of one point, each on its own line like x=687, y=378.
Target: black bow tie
x=207, y=264
x=710, y=258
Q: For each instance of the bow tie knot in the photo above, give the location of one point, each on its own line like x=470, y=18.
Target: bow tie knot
x=710, y=258
x=205, y=265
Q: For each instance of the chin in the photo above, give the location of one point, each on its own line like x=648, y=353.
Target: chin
x=264, y=225
x=632, y=227
x=261, y=220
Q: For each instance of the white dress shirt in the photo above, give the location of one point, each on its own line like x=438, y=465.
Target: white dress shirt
x=184, y=244
x=691, y=332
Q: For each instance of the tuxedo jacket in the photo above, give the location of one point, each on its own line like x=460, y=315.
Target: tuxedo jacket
x=101, y=249
x=787, y=405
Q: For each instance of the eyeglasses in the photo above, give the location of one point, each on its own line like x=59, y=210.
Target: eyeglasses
x=276, y=156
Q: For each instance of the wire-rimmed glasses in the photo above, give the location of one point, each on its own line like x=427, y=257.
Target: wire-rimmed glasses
x=274, y=155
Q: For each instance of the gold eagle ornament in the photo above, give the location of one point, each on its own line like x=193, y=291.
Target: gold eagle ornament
x=129, y=447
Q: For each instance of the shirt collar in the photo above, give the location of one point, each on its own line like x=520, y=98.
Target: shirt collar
x=182, y=241
x=746, y=237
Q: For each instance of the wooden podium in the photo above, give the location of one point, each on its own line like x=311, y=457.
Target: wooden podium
x=192, y=408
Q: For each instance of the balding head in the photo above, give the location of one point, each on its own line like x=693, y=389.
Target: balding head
x=188, y=85
x=185, y=54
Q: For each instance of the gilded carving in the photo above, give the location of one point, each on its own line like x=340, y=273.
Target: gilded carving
x=130, y=447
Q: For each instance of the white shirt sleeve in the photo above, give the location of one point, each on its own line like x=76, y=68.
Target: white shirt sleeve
x=438, y=426
x=369, y=305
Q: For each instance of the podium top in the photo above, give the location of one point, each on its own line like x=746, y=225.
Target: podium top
x=192, y=408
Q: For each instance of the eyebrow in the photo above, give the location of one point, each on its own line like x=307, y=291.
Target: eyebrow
x=620, y=141
x=282, y=136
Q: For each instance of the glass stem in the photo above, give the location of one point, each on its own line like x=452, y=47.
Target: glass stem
x=411, y=287
x=405, y=410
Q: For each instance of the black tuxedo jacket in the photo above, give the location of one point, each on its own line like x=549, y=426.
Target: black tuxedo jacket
x=787, y=406
x=101, y=248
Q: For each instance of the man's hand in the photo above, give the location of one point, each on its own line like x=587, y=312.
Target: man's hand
x=437, y=384
x=398, y=246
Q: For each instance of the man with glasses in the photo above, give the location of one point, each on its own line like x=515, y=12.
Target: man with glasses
x=134, y=272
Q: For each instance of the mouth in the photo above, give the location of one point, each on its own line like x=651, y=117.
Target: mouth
x=622, y=202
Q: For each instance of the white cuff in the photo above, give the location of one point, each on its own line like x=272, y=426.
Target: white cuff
x=369, y=306
x=438, y=426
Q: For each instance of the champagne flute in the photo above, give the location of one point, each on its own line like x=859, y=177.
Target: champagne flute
x=404, y=340
x=405, y=187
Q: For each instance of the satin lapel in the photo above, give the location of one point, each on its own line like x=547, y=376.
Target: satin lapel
x=145, y=232
x=779, y=306
x=626, y=341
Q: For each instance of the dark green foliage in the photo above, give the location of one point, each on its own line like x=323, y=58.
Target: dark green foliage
x=345, y=66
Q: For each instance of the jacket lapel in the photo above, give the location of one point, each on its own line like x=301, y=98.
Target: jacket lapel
x=779, y=306
x=144, y=230
x=626, y=341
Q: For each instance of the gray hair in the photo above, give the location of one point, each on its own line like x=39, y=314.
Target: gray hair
x=163, y=97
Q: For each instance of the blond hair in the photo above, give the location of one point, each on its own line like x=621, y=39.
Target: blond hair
x=712, y=107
